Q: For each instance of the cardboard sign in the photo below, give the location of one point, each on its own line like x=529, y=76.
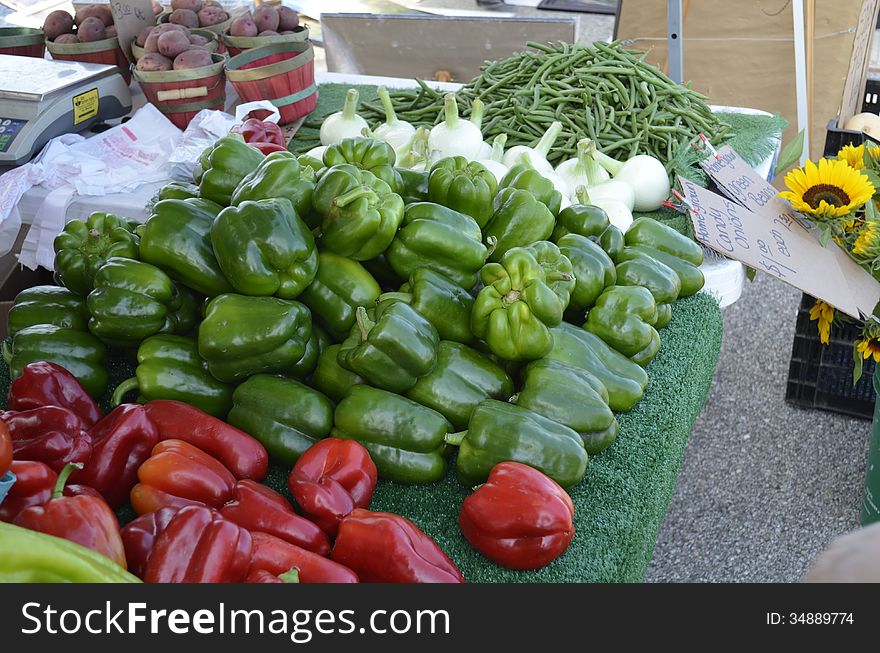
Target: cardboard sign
x=130, y=18
x=780, y=246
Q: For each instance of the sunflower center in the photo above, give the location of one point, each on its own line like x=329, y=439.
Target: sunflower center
x=833, y=195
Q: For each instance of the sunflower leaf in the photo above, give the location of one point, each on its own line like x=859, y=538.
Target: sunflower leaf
x=790, y=154
x=826, y=236
x=751, y=273
x=857, y=368
x=872, y=176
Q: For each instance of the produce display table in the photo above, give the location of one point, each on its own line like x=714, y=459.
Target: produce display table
x=623, y=499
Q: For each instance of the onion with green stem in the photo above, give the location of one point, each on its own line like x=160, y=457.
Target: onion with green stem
x=397, y=133
x=645, y=174
x=343, y=124
x=537, y=155
x=455, y=136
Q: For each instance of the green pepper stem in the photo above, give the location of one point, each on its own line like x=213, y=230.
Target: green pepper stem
x=455, y=439
x=582, y=195
x=7, y=353
x=354, y=195
x=365, y=324
x=405, y=297
x=349, y=109
x=491, y=244
x=450, y=110
x=290, y=576
x=548, y=139
x=69, y=469
x=390, y=115
x=477, y=110
x=559, y=276
x=123, y=389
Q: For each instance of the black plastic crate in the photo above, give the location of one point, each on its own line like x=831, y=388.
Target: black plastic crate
x=820, y=376
x=836, y=138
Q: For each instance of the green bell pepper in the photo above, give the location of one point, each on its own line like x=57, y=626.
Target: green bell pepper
x=404, y=439
x=593, y=270
x=436, y=237
x=392, y=348
x=312, y=163
x=499, y=432
x=176, y=238
x=690, y=276
x=279, y=175
x=81, y=353
x=462, y=379
x=360, y=213
x=83, y=246
x=169, y=367
x=661, y=280
x=414, y=185
x=571, y=396
x=241, y=336
x=133, y=300
x=649, y=232
x=376, y=157
x=519, y=219
x=527, y=178
x=286, y=416
x=557, y=269
x=463, y=186
x=205, y=205
x=625, y=380
x=330, y=377
x=263, y=248
x=383, y=273
x=515, y=309
x=224, y=165
x=340, y=286
x=47, y=305
x=309, y=361
x=624, y=317
x=582, y=219
x=440, y=301
x=176, y=190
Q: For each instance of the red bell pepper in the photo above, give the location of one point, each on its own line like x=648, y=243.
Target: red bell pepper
x=139, y=535
x=50, y=434
x=518, y=518
x=177, y=474
x=242, y=454
x=384, y=548
x=259, y=508
x=199, y=546
x=34, y=483
x=254, y=130
x=86, y=520
x=332, y=478
x=5, y=449
x=268, y=148
x=121, y=442
x=275, y=556
x=46, y=384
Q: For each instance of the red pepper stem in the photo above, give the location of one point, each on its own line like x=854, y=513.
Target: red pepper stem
x=123, y=389
x=69, y=469
x=291, y=576
x=365, y=324
x=7, y=353
x=455, y=439
x=404, y=297
x=354, y=195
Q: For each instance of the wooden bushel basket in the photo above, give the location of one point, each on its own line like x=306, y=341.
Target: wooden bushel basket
x=282, y=73
x=105, y=51
x=22, y=42
x=213, y=44
x=181, y=94
x=238, y=44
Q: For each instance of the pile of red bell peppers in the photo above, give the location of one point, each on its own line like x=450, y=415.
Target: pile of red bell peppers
x=205, y=517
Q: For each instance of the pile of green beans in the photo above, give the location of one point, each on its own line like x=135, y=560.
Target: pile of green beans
x=600, y=91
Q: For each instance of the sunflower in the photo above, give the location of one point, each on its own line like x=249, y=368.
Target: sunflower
x=830, y=190
x=854, y=156
x=824, y=313
x=869, y=347
x=873, y=152
x=866, y=242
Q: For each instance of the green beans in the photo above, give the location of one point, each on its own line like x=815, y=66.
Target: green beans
x=602, y=91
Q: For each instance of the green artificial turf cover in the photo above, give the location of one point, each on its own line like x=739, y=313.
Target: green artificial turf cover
x=623, y=499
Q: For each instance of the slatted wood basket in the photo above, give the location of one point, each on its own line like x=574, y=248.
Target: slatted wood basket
x=22, y=41
x=238, y=44
x=105, y=51
x=282, y=73
x=181, y=94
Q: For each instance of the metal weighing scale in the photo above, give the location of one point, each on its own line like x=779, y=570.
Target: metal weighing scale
x=41, y=99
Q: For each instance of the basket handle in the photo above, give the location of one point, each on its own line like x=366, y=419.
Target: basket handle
x=182, y=93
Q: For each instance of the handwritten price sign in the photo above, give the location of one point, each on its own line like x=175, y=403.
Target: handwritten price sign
x=130, y=18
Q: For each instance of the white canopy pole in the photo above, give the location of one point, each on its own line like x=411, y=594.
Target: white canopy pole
x=800, y=73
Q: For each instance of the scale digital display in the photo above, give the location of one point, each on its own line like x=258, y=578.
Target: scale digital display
x=9, y=128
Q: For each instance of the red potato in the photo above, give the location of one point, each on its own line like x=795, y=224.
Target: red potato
x=193, y=58
x=91, y=29
x=266, y=17
x=102, y=12
x=287, y=19
x=151, y=44
x=66, y=38
x=185, y=17
x=198, y=39
x=57, y=23
x=172, y=43
x=157, y=8
x=142, y=37
x=110, y=32
x=243, y=26
x=212, y=15
x=153, y=62
x=192, y=5
x=268, y=32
